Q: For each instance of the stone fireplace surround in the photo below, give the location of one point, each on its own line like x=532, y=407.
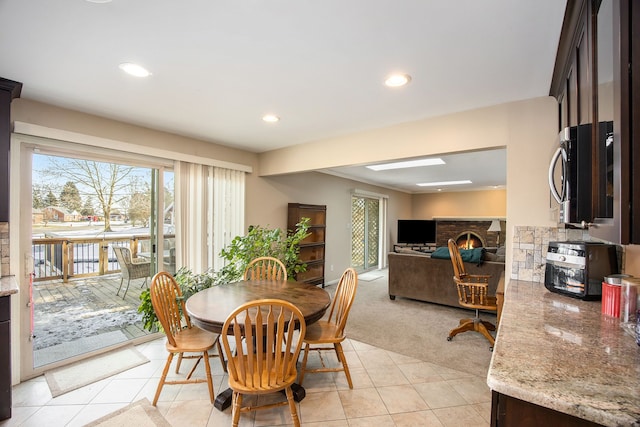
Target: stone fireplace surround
x=451, y=229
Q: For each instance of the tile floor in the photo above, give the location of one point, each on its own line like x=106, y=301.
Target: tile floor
x=389, y=390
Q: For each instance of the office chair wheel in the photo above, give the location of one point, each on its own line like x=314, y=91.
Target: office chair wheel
x=449, y=338
x=491, y=349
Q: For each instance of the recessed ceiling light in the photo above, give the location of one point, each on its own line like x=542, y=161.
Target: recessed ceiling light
x=443, y=183
x=397, y=80
x=134, y=69
x=99, y=1
x=270, y=118
x=407, y=164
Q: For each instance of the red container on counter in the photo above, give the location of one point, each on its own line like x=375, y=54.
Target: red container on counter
x=611, y=299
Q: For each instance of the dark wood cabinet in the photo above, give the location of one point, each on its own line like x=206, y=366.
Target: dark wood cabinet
x=595, y=82
x=9, y=90
x=507, y=411
x=5, y=357
x=311, y=248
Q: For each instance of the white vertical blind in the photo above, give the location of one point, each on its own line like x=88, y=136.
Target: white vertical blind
x=228, y=209
x=209, y=213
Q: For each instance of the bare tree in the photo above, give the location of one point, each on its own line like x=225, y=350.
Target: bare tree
x=107, y=180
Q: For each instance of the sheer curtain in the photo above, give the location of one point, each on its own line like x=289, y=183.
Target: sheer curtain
x=209, y=213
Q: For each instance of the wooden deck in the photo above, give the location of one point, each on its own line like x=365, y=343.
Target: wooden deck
x=83, y=315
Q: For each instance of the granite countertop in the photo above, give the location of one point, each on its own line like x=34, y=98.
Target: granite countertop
x=562, y=353
x=8, y=285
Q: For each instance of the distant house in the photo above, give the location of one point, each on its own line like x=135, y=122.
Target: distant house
x=37, y=216
x=57, y=213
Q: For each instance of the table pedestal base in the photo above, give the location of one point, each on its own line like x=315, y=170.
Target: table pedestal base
x=223, y=400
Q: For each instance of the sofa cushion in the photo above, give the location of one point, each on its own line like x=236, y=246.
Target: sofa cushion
x=474, y=255
x=488, y=256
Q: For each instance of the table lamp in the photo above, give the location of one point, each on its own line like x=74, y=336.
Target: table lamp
x=495, y=226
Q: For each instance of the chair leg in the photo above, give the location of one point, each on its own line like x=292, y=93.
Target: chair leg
x=126, y=289
x=195, y=365
x=292, y=407
x=343, y=360
x=179, y=362
x=162, y=378
x=120, y=287
x=480, y=327
x=490, y=326
x=476, y=325
x=209, y=379
x=221, y=355
x=236, y=405
x=468, y=325
x=304, y=363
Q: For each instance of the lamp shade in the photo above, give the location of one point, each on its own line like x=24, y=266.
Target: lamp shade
x=495, y=226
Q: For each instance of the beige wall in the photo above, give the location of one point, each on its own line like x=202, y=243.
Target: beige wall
x=36, y=113
x=467, y=131
x=528, y=129
x=269, y=197
x=488, y=204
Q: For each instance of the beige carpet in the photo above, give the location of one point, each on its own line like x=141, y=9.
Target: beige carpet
x=67, y=378
x=417, y=329
x=137, y=414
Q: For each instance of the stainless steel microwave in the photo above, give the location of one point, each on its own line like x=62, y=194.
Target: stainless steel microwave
x=571, y=172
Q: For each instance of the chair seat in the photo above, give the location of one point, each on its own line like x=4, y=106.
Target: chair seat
x=256, y=388
x=192, y=339
x=322, y=332
x=491, y=305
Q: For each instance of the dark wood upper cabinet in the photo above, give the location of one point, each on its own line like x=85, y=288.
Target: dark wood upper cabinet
x=9, y=90
x=594, y=83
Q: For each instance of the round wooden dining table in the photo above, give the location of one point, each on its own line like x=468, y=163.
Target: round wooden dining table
x=209, y=308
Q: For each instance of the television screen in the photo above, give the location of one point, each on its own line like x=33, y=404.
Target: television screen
x=416, y=231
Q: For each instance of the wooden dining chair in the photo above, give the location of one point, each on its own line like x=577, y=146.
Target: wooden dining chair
x=472, y=293
x=328, y=334
x=265, y=268
x=182, y=336
x=263, y=357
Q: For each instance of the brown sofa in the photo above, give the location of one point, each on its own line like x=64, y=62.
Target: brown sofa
x=420, y=277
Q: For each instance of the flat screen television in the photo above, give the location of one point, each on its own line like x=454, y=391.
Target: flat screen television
x=416, y=231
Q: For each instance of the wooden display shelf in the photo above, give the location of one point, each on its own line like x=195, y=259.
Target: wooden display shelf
x=312, y=247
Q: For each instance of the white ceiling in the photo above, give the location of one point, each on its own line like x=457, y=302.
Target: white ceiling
x=218, y=66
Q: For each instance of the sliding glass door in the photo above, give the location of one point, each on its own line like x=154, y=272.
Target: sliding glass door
x=76, y=209
x=365, y=232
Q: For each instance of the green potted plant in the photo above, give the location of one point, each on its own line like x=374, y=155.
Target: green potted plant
x=259, y=241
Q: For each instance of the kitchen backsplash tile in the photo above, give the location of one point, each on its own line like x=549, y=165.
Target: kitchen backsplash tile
x=4, y=249
x=530, y=249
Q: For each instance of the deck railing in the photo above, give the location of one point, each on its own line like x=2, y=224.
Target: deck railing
x=63, y=258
